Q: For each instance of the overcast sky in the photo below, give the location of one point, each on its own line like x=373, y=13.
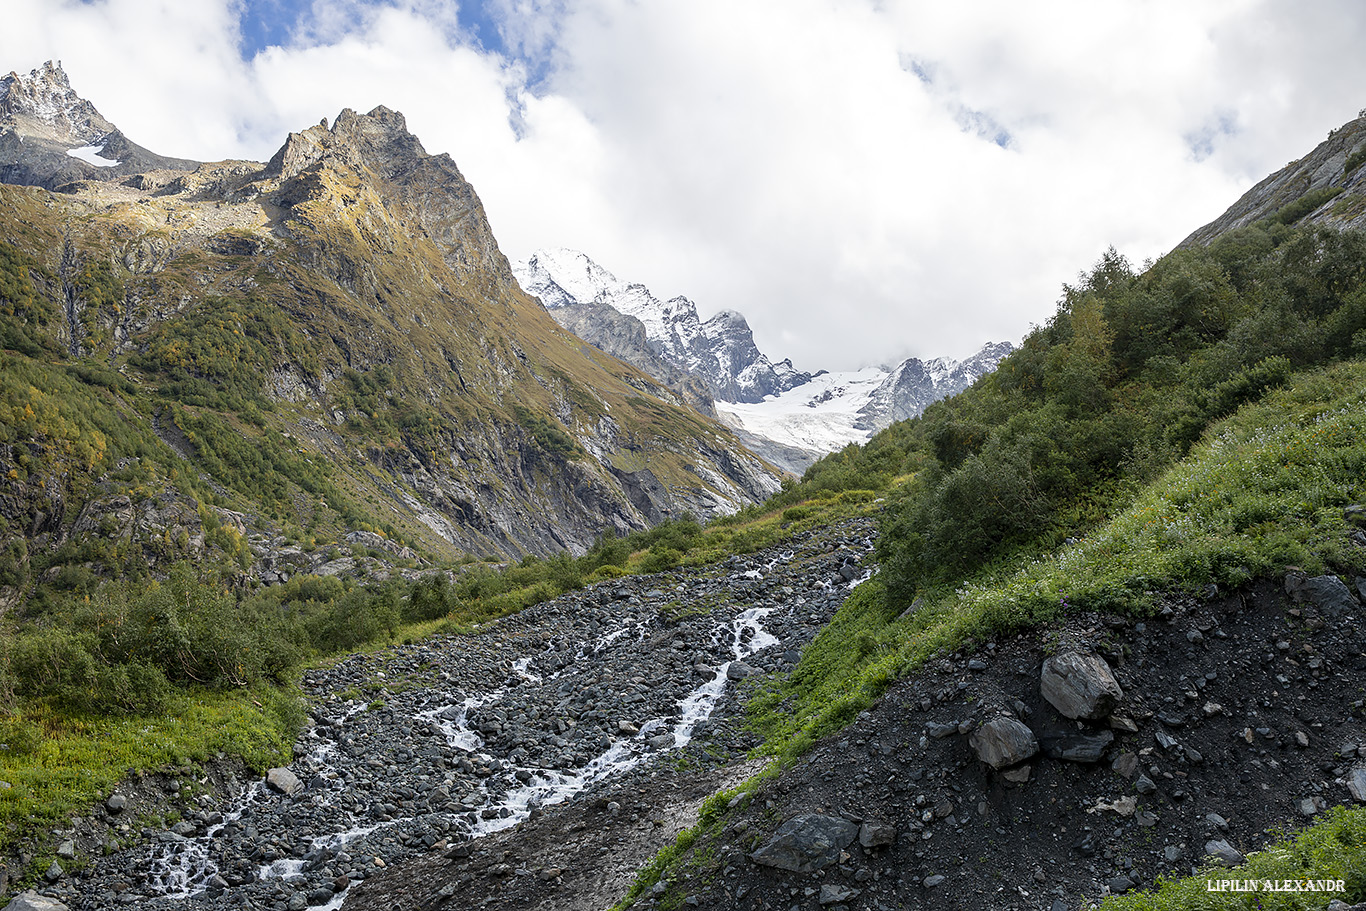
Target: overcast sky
x=863, y=180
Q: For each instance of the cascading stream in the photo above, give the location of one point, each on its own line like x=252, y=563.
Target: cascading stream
x=459, y=737
x=185, y=868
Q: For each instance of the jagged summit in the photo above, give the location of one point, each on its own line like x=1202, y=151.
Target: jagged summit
x=913, y=384
x=562, y=277
x=50, y=136
x=380, y=136
x=46, y=103
x=429, y=188
x=720, y=350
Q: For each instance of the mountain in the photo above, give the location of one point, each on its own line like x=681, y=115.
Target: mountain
x=913, y=384
x=794, y=429
x=788, y=417
x=326, y=345
x=1327, y=186
x=51, y=137
x=719, y=350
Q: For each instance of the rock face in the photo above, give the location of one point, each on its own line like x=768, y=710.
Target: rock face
x=50, y=136
x=485, y=429
x=1330, y=179
x=720, y=351
x=625, y=337
x=807, y=843
x=1003, y=742
x=1080, y=685
x=914, y=384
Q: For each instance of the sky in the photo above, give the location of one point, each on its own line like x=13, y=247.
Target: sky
x=865, y=180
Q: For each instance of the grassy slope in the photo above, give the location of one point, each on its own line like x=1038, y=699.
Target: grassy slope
x=1201, y=423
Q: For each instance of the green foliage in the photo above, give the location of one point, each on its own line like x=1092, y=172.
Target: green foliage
x=359, y=617
x=24, y=310
x=1334, y=848
x=1293, y=212
x=547, y=433
x=1126, y=377
x=100, y=292
x=66, y=764
x=387, y=415
x=219, y=353
x=1354, y=160
x=834, y=680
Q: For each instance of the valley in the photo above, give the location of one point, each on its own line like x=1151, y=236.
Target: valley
x=338, y=572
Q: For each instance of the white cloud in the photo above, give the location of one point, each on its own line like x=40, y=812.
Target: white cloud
x=834, y=169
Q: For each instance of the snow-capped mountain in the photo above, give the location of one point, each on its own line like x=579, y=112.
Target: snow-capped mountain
x=914, y=384
x=788, y=417
x=720, y=350
x=50, y=136
x=836, y=409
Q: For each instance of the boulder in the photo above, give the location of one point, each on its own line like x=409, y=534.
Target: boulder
x=874, y=834
x=832, y=894
x=284, y=781
x=32, y=901
x=806, y=843
x=1080, y=685
x=1075, y=746
x=1003, y=742
x=738, y=670
x=1224, y=853
x=1356, y=783
x=1327, y=593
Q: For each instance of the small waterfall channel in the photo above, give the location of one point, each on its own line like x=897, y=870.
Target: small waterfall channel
x=291, y=839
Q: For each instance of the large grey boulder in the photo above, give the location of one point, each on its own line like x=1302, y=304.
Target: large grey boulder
x=284, y=781
x=1327, y=593
x=32, y=901
x=807, y=843
x=1003, y=742
x=1080, y=685
x=1356, y=783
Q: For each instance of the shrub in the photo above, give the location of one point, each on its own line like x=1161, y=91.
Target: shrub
x=660, y=558
x=360, y=617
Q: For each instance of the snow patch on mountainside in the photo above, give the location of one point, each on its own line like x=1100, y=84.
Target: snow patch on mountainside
x=91, y=155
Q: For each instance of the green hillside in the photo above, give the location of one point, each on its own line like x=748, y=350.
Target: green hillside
x=1201, y=422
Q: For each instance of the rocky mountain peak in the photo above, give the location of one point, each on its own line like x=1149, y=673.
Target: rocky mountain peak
x=563, y=277
x=426, y=191
x=719, y=351
x=914, y=384
x=50, y=136
x=379, y=139
x=43, y=103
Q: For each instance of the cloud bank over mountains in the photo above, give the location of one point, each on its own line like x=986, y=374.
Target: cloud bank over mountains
x=865, y=181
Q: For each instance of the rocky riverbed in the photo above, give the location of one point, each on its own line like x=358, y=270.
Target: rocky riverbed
x=447, y=741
